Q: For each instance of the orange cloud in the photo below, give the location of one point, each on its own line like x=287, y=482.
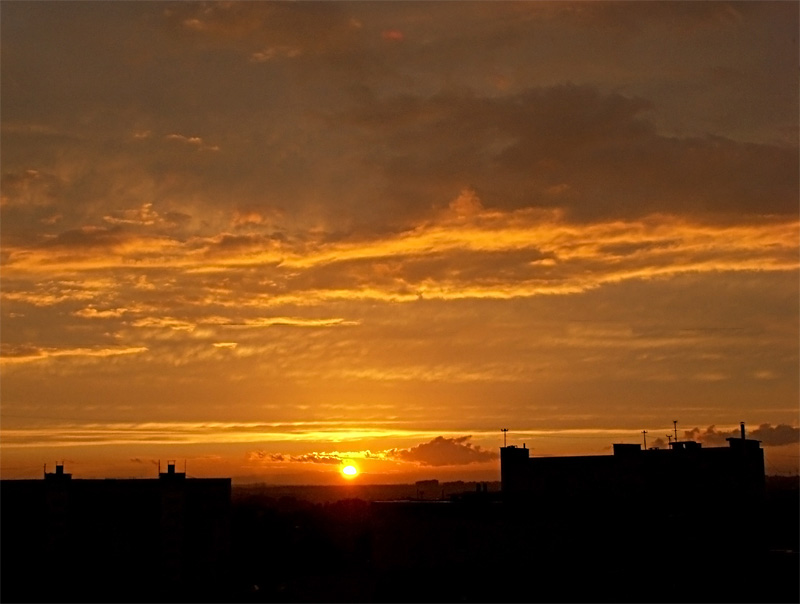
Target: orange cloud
x=500, y=255
x=92, y=313
x=195, y=141
x=25, y=354
x=392, y=35
x=275, y=52
x=96, y=433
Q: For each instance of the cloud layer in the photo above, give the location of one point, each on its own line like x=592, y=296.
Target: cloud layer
x=768, y=435
x=221, y=218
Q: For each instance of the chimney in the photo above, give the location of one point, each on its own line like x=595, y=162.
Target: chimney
x=59, y=469
x=741, y=425
x=170, y=467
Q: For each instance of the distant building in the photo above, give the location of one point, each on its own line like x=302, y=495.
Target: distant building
x=682, y=506
x=586, y=528
x=428, y=489
x=114, y=539
x=685, y=475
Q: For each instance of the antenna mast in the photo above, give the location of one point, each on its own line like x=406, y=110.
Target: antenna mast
x=504, y=431
x=644, y=434
x=675, y=426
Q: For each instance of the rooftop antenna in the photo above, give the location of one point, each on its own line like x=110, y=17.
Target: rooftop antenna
x=644, y=434
x=45, y=469
x=675, y=425
x=505, y=432
x=669, y=438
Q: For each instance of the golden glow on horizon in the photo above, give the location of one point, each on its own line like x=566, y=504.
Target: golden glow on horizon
x=162, y=433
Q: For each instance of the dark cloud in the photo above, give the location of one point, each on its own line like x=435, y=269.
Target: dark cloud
x=139, y=460
x=593, y=153
x=782, y=434
x=88, y=238
x=443, y=451
x=376, y=155
x=323, y=458
x=769, y=435
x=627, y=249
x=268, y=30
x=710, y=436
x=617, y=19
x=227, y=242
x=146, y=216
x=30, y=187
x=176, y=218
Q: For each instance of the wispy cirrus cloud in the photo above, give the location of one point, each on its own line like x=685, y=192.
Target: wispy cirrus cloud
x=146, y=215
x=286, y=321
x=12, y=354
x=115, y=433
x=441, y=445
x=497, y=254
x=194, y=141
x=249, y=323
x=90, y=312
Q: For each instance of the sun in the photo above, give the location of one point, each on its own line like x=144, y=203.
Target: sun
x=350, y=471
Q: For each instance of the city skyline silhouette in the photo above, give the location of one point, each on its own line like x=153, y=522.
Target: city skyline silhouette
x=399, y=301
x=523, y=538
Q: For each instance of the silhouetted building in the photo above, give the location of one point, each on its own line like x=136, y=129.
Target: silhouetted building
x=586, y=528
x=428, y=489
x=115, y=539
x=685, y=475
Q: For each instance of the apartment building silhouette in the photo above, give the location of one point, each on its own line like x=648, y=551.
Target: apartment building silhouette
x=68, y=539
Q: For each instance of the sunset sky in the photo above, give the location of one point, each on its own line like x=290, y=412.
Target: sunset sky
x=268, y=240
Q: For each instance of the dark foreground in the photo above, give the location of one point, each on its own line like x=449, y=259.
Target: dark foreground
x=310, y=545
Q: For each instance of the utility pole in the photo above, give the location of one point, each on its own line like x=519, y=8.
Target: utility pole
x=644, y=434
x=504, y=431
